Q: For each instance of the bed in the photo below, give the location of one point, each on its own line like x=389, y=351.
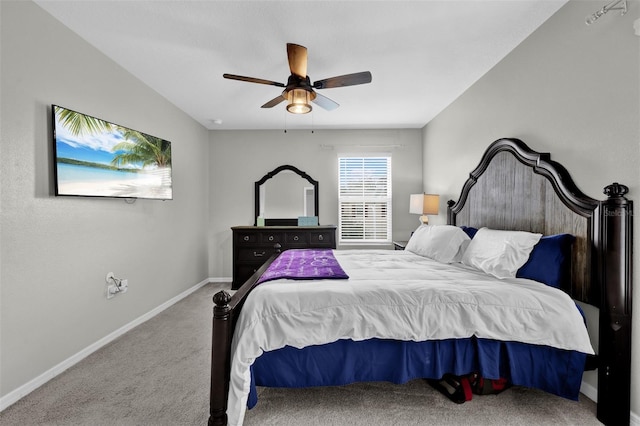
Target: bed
x=258, y=335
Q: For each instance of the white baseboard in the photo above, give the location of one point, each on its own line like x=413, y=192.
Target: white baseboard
x=589, y=391
x=32, y=385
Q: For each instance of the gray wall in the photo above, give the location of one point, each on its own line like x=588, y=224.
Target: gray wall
x=239, y=158
x=56, y=251
x=569, y=89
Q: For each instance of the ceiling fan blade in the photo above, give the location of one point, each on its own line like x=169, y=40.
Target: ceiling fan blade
x=273, y=102
x=297, y=56
x=252, y=80
x=325, y=102
x=344, y=80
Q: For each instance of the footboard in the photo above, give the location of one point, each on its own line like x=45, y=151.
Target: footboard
x=225, y=315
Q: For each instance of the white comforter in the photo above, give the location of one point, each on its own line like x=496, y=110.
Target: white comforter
x=397, y=295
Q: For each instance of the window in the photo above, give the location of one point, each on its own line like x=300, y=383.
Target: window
x=364, y=199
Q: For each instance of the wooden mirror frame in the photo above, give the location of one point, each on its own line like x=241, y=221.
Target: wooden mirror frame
x=283, y=221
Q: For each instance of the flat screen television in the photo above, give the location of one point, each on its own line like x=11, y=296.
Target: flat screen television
x=96, y=158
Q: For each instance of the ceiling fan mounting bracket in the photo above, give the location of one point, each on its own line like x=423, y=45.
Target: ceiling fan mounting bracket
x=297, y=82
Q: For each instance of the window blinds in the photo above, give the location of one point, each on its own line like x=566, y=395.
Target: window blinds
x=364, y=199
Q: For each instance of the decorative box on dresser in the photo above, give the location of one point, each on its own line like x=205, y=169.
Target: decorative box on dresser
x=253, y=245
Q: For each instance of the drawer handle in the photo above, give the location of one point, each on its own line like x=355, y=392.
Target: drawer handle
x=246, y=238
x=270, y=237
x=256, y=254
x=296, y=238
x=320, y=237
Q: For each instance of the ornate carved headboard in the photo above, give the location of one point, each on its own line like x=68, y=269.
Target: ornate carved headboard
x=516, y=188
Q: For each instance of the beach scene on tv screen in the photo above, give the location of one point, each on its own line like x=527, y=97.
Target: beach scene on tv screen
x=101, y=159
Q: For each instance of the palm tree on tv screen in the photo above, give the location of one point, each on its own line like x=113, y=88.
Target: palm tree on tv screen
x=138, y=148
x=80, y=124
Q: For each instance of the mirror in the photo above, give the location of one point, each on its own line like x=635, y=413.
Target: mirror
x=284, y=194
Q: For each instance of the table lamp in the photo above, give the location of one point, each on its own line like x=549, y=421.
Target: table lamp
x=424, y=204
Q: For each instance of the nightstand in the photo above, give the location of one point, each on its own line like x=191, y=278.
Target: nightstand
x=399, y=245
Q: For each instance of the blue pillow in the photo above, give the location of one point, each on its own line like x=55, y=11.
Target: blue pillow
x=470, y=231
x=549, y=261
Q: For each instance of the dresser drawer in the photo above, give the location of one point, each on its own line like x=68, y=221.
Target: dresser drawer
x=322, y=239
x=255, y=254
x=242, y=274
x=296, y=238
x=270, y=238
x=247, y=238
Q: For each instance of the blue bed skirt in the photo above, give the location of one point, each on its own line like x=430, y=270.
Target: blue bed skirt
x=343, y=362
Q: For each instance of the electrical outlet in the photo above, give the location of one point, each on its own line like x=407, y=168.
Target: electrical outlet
x=115, y=285
x=112, y=290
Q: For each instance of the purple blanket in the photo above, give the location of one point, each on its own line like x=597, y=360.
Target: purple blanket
x=304, y=264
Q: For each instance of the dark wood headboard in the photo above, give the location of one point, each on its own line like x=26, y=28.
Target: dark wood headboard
x=516, y=188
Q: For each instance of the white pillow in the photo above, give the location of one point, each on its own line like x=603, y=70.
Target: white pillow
x=437, y=242
x=500, y=253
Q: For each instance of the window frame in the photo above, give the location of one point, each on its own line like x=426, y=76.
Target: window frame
x=370, y=199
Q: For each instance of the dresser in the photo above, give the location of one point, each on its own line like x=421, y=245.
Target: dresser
x=253, y=245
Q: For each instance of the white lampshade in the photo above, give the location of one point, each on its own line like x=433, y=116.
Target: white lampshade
x=424, y=204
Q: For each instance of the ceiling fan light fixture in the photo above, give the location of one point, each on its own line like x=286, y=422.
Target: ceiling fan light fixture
x=298, y=101
x=299, y=90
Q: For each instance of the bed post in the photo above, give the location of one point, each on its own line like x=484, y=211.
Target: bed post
x=614, y=372
x=220, y=347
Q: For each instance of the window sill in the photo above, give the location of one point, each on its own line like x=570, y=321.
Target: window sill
x=363, y=245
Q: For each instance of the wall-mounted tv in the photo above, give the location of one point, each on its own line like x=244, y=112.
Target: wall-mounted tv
x=96, y=158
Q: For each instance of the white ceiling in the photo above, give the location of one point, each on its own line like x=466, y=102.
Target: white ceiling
x=422, y=54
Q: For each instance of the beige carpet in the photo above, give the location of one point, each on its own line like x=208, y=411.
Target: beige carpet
x=158, y=374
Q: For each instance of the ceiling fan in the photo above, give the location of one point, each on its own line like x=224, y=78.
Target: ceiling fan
x=299, y=91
